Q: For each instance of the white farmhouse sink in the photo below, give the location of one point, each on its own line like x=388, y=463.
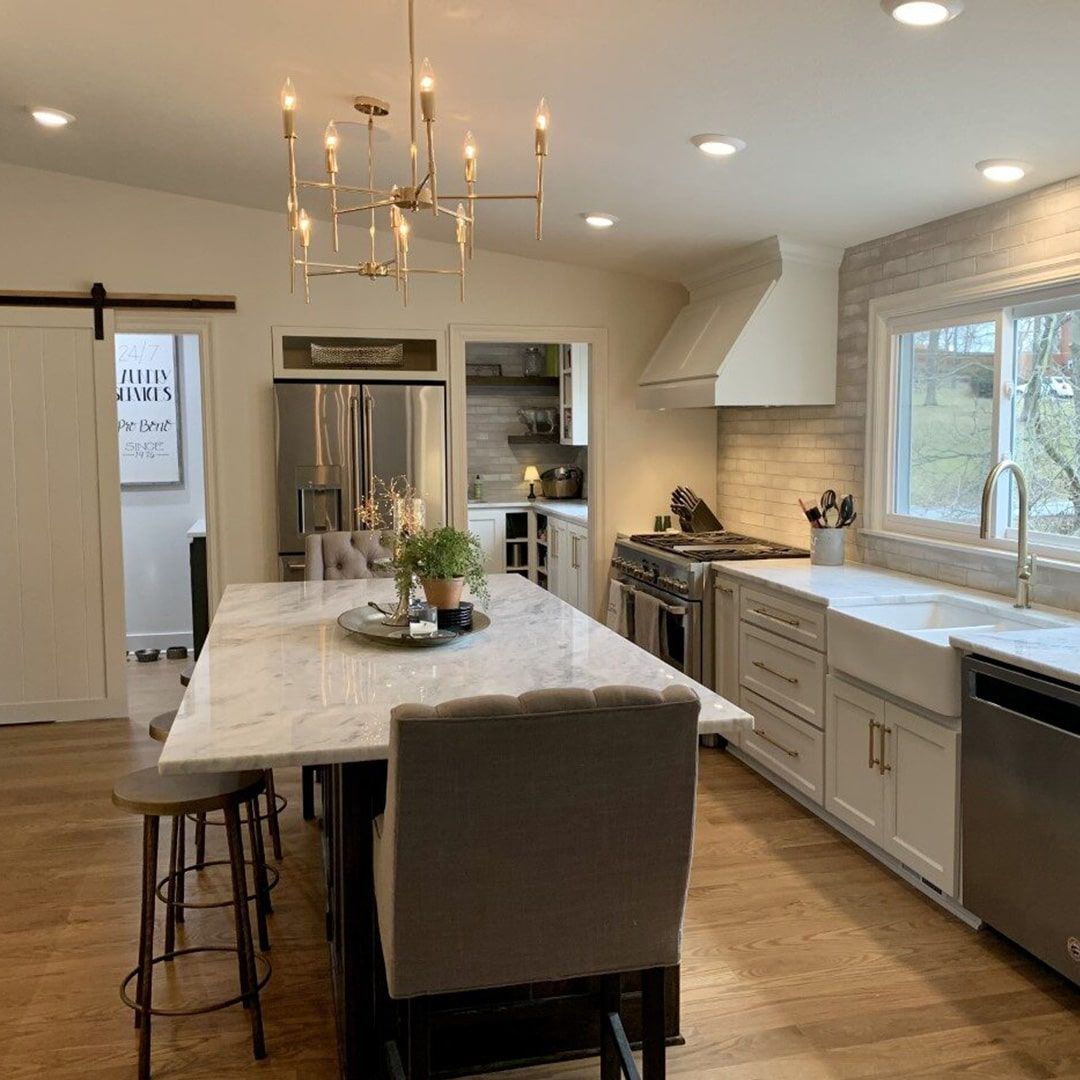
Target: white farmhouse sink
x=902, y=645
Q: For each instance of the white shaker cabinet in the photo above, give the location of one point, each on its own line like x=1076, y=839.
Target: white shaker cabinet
x=854, y=791
x=726, y=641
x=489, y=526
x=568, y=562
x=922, y=797
x=893, y=776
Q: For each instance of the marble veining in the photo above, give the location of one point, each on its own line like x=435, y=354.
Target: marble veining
x=1054, y=652
x=280, y=683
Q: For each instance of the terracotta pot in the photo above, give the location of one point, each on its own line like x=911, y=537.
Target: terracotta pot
x=444, y=593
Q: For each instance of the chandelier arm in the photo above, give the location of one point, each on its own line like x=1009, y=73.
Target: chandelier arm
x=367, y=206
x=431, y=167
x=332, y=273
x=324, y=186
x=412, y=94
x=371, y=177
x=454, y=214
x=540, y=196
x=485, y=195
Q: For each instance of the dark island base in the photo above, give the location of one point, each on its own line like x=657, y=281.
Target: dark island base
x=472, y=1032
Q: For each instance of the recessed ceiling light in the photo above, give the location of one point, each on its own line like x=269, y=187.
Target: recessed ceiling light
x=598, y=219
x=1003, y=170
x=923, y=12
x=51, y=118
x=718, y=145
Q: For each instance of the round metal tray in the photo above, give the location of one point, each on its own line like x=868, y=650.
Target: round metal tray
x=368, y=623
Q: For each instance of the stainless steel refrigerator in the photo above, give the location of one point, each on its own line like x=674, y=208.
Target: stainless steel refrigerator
x=334, y=439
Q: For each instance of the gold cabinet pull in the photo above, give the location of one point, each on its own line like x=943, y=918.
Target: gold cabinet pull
x=872, y=723
x=777, y=618
x=772, y=671
x=779, y=745
x=882, y=732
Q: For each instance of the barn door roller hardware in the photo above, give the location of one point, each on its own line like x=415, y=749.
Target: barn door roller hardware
x=99, y=299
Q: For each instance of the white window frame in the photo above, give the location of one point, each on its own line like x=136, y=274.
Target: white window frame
x=983, y=298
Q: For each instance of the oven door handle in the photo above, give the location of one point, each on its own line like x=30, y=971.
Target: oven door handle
x=678, y=610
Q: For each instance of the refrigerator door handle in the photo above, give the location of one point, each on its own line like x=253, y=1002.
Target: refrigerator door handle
x=369, y=450
x=357, y=492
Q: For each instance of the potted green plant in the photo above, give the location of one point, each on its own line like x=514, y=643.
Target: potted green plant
x=445, y=560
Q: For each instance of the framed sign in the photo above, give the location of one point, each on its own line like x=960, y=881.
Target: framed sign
x=148, y=410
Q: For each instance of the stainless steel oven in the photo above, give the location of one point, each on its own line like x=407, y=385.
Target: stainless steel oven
x=680, y=589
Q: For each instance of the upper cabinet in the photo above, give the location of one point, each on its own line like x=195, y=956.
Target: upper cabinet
x=343, y=354
x=574, y=395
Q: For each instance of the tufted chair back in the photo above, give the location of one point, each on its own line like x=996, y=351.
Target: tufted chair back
x=336, y=556
x=535, y=838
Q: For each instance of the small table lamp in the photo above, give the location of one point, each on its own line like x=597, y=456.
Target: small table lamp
x=532, y=476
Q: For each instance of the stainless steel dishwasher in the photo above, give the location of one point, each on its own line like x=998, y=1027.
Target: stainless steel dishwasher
x=1020, y=792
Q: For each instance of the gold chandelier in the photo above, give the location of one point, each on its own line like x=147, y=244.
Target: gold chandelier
x=420, y=195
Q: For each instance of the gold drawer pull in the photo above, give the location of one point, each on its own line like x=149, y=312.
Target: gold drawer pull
x=883, y=730
x=779, y=745
x=872, y=760
x=777, y=618
x=779, y=674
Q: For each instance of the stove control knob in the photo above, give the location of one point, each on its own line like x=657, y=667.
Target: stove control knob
x=682, y=586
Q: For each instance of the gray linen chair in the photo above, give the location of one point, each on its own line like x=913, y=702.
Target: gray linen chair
x=337, y=556
x=536, y=838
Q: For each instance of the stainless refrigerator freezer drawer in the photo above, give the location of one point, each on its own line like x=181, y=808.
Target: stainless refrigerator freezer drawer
x=1020, y=792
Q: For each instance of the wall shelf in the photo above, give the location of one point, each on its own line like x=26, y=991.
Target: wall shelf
x=513, y=382
x=533, y=440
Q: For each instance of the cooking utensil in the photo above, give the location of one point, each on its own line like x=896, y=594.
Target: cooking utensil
x=847, y=511
x=813, y=515
x=562, y=482
x=830, y=512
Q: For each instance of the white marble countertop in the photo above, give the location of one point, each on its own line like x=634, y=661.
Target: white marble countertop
x=571, y=509
x=278, y=682
x=1053, y=651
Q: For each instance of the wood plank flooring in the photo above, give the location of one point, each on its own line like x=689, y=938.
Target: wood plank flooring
x=803, y=958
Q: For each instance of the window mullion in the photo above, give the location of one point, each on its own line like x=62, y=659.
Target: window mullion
x=1004, y=393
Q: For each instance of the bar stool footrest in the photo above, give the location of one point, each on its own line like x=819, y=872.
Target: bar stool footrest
x=196, y=1010
x=280, y=803
x=162, y=886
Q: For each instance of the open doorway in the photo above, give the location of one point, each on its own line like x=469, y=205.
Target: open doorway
x=527, y=443
x=163, y=511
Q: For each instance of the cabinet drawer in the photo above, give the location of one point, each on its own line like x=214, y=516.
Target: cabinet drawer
x=786, y=745
x=796, y=620
x=782, y=672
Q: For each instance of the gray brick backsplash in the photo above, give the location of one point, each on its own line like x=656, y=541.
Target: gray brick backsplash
x=768, y=458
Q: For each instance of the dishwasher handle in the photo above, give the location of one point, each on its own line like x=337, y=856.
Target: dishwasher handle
x=1035, y=697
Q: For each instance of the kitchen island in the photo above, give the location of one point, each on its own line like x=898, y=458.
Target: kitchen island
x=279, y=683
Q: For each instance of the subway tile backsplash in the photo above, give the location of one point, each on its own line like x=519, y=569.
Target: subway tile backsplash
x=768, y=458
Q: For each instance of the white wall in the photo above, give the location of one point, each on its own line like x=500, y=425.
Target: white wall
x=62, y=233
x=157, y=579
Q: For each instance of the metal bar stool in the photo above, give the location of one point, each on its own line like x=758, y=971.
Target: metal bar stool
x=154, y=796
x=266, y=878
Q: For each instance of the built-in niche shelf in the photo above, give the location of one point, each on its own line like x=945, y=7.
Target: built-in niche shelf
x=532, y=440
x=513, y=382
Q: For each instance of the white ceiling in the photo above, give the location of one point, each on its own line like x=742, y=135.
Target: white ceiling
x=856, y=126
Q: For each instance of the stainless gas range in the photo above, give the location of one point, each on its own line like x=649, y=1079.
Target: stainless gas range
x=674, y=568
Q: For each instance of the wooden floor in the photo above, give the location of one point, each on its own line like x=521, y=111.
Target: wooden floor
x=803, y=959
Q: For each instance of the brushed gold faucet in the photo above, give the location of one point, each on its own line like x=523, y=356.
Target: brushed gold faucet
x=1025, y=562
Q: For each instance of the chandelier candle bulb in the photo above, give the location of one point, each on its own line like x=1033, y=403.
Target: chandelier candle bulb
x=330, y=141
x=543, y=125
x=427, y=91
x=288, y=109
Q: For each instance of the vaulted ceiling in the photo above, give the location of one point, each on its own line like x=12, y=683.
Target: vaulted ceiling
x=856, y=126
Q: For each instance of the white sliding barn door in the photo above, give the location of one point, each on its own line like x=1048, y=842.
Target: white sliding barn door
x=61, y=571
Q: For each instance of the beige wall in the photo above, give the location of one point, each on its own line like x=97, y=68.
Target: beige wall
x=61, y=233
x=768, y=458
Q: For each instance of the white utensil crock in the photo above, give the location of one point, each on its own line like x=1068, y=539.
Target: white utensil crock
x=827, y=547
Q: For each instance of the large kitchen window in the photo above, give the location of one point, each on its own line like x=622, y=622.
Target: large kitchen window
x=969, y=388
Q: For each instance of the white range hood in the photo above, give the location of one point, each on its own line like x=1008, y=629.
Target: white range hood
x=760, y=329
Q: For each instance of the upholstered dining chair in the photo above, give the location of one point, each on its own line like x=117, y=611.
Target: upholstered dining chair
x=336, y=556
x=537, y=838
